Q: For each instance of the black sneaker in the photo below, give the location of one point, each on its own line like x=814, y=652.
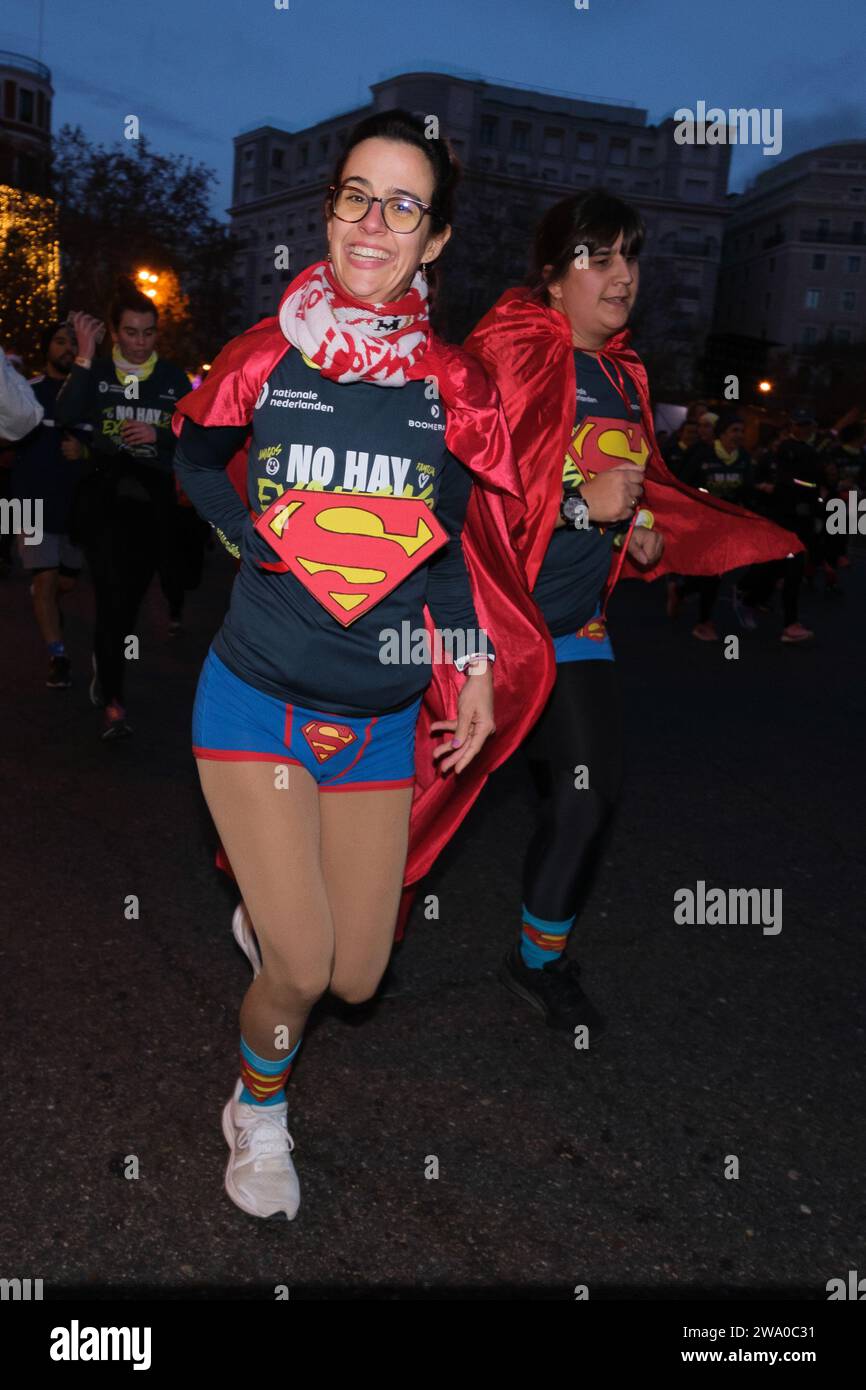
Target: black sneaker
x=554, y=990
x=115, y=729
x=59, y=668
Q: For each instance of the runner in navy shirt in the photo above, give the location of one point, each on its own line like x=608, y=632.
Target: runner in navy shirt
x=299, y=699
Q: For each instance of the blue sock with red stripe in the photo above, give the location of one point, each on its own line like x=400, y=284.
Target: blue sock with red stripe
x=264, y=1078
x=542, y=941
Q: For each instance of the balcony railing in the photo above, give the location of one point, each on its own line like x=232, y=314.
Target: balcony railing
x=836, y=238
x=684, y=248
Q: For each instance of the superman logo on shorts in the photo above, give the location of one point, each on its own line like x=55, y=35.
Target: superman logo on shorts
x=325, y=740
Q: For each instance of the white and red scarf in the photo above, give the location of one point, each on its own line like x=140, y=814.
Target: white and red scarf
x=352, y=341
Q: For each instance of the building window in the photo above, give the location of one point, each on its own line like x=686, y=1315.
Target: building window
x=812, y=299
x=9, y=100
x=618, y=153
x=489, y=131
x=520, y=132
x=277, y=159
x=40, y=110
x=842, y=335
x=856, y=195
x=552, y=141
x=810, y=333
x=697, y=190
x=852, y=265
x=849, y=300
x=249, y=154
x=303, y=155
x=586, y=148
x=550, y=175
x=856, y=231
x=324, y=146
x=645, y=154
x=823, y=229
x=819, y=261
x=25, y=105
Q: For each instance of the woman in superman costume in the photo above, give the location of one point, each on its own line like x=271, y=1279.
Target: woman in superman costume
x=601, y=503
x=296, y=701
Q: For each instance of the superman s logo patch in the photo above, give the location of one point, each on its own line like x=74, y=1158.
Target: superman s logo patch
x=349, y=550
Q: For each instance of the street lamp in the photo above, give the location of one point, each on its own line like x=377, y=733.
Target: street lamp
x=146, y=278
x=765, y=387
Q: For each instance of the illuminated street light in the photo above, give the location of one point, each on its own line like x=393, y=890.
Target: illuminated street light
x=146, y=277
x=765, y=386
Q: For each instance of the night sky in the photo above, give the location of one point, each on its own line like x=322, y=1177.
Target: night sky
x=201, y=71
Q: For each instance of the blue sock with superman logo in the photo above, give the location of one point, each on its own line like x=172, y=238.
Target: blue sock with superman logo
x=542, y=941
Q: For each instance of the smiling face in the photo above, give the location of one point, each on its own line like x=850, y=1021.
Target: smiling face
x=370, y=262
x=597, y=298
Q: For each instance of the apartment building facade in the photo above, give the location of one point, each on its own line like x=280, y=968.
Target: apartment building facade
x=793, y=269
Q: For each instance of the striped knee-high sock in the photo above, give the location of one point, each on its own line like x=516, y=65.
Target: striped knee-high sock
x=264, y=1077
x=542, y=941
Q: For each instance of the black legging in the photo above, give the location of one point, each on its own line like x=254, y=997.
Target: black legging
x=122, y=556
x=706, y=586
x=759, y=581
x=581, y=725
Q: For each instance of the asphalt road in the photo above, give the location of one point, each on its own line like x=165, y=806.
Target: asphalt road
x=557, y=1167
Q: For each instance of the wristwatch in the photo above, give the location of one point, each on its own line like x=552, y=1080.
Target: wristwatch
x=575, y=511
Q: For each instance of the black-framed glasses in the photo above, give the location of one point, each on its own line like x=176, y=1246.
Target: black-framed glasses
x=400, y=213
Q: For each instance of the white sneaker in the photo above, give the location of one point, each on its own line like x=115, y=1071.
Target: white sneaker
x=246, y=938
x=260, y=1176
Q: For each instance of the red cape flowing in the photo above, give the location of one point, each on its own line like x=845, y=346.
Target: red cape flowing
x=527, y=349
x=494, y=537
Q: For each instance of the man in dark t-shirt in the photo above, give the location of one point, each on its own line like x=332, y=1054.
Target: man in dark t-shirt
x=126, y=512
